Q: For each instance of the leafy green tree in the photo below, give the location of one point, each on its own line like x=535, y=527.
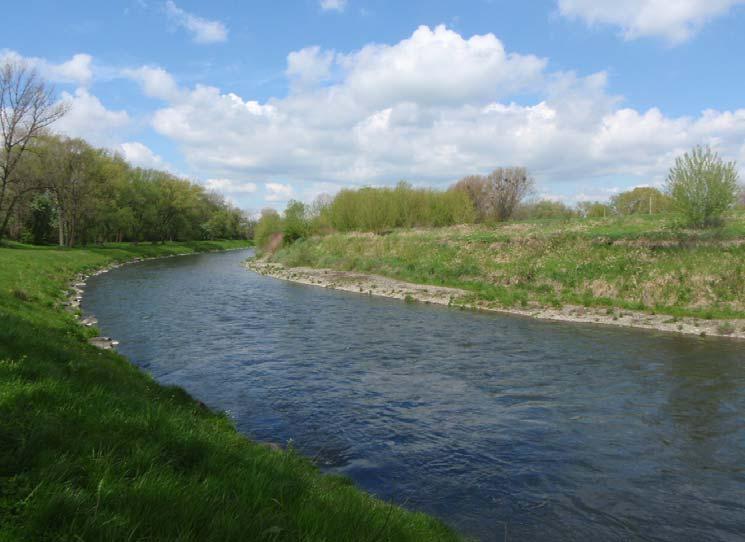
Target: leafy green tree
x=296, y=222
x=703, y=187
x=42, y=219
x=641, y=200
x=268, y=228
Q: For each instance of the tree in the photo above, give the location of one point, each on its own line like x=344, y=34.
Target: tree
x=641, y=200
x=27, y=108
x=594, y=209
x=496, y=196
x=296, y=222
x=268, y=229
x=475, y=187
x=703, y=187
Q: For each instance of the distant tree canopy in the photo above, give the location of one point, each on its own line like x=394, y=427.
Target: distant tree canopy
x=641, y=200
x=544, y=209
x=53, y=186
x=380, y=209
x=78, y=194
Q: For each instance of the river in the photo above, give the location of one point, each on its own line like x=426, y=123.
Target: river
x=504, y=427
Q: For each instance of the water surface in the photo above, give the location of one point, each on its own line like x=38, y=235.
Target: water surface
x=543, y=430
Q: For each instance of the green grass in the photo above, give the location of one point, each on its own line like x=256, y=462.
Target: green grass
x=93, y=449
x=641, y=263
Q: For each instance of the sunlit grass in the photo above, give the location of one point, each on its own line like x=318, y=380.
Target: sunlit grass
x=93, y=449
x=637, y=263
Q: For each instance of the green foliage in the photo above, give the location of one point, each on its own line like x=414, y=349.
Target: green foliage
x=496, y=196
x=638, y=262
x=42, y=219
x=641, y=200
x=268, y=227
x=703, y=187
x=544, y=209
x=91, y=448
x=296, y=225
x=383, y=209
x=594, y=209
x=96, y=197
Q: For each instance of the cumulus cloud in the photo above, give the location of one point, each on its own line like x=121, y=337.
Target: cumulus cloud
x=77, y=70
x=432, y=108
x=89, y=119
x=155, y=81
x=309, y=66
x=201, y=30
x=140, y=155
x=278, y=191
x=674, y=21
x=333, y=5
x=228, y=186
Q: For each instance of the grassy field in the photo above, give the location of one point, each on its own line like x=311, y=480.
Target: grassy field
x=93, y=449
x=640, y=262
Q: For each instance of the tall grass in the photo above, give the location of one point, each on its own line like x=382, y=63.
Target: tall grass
x=638, y=262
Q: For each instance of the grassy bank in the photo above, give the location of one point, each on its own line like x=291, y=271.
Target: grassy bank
x=93, y=449
x=639, y=263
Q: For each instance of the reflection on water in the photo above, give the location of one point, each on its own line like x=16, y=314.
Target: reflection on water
x=549, y=431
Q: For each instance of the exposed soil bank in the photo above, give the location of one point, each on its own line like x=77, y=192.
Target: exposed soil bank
x=387, y=287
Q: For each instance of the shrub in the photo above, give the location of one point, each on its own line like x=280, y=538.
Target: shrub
x=382, y=209
x=296, y=225
x=496, y=196
x=641, y=200
x=703, y=187
x=544, y=209
x=268, y=226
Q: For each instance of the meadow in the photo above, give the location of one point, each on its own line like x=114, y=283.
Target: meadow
x=634, y=262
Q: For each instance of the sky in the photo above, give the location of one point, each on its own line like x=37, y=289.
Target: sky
x=270, y=101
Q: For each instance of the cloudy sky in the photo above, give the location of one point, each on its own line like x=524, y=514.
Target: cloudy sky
x=270, y=101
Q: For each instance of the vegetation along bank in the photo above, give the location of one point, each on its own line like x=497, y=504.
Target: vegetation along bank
x=672, y=260
x=91, y=448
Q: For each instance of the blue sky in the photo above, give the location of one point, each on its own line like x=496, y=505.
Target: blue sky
x=267, y=101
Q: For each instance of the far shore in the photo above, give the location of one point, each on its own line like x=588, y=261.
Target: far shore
x=380, y=286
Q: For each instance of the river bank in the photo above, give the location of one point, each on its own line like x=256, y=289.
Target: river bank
x=632, y=274
x=93, y=448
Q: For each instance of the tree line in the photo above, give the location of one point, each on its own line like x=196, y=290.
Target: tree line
x=700, y=188
x=55, y=189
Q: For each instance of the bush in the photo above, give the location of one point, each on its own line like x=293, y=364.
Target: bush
x=382, y=209
x=496, y=196
x=703, y=187
x=296, y=224
x=268, y=226
x=641, y=200
x=544, y=209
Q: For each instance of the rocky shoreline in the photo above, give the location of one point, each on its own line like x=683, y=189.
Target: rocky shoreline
x=385, y=287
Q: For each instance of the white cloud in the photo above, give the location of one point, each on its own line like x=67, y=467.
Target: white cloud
x=155, y=82
x=202, y=30
x=89, y=119
x=278, y=191
x=309, y=66
x=674, y=20
x=333, y=5
x=432, y=108
x=78, y=70
x=140, y=155
x=227, y=186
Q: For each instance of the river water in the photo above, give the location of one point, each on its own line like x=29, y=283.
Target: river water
x=501, y=426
